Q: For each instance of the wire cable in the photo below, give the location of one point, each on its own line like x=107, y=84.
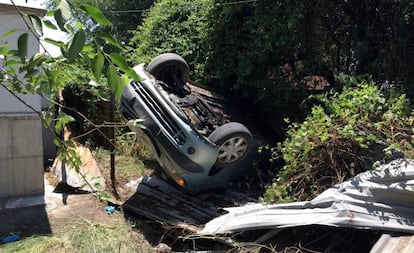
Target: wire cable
x=217, y=4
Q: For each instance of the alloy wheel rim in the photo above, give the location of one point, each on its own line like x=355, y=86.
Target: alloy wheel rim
x=232, y=150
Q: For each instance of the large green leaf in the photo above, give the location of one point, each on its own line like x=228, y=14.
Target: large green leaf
x=119, y=61
x=3, y=49
x=53, y=79
x=54, y=42
x=12, y=62
x=37, y=23
x=50, y=13
x=119, y=89
x=7, y=34
x=76, y=45
x=96, y=14
x=60, y=21
x=22, y=45
x=49, y=24
x=36, y=60
x=31, y=73
x=64, y=52
x=109, y=39
x=111, y=76
x=97, y=65
x=132, y=74
x=61, y=120
x=114, y=82
x=65, y=9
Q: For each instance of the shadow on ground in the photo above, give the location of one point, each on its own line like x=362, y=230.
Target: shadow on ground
x=25, y=221
x=49, y=213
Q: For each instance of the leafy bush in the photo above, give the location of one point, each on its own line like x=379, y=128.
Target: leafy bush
x=239, y=49
x=87, y=104
x=171, y=26
x=349, y=132
x=244, y=49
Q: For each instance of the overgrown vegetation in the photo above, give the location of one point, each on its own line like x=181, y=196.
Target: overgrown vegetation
x=85, y=236
x=124, y=15
x=260, y=51
x=171, y=26
x=347, y=133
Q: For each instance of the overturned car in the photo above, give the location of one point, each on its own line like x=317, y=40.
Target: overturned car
x=191, y=130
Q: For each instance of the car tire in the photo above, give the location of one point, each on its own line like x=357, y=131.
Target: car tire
x=164, y=65
x=234, y=142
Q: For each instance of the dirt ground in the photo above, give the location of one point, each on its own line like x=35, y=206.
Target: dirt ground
x=61, y=209
x=60, y=206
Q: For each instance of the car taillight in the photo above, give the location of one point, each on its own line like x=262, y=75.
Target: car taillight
x=180, y=182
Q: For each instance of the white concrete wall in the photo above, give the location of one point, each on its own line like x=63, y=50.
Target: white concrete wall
x=8, y=21
x=21, y=150
x=10, y=104
x=21, y=155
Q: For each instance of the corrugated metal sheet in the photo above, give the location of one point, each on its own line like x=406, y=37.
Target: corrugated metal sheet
x=396, y=244
x=381, y=199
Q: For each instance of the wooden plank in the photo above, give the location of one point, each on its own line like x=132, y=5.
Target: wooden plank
x=156, y=200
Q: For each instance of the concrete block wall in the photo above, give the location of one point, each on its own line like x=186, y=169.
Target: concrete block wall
x=21, y=155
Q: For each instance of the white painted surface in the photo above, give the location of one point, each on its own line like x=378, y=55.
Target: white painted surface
x=21, y=149
x=380, y=199
x=40, y=4
x=10, y=20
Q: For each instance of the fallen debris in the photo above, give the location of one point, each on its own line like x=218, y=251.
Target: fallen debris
x=110, y=209
x=10, y=238
x=397, y=244
x=157, y=200
x=380, y=199
x=75, y=178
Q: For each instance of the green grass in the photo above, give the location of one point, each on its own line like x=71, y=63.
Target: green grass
x=132, y=160
x=84, y=236
x=129, y=166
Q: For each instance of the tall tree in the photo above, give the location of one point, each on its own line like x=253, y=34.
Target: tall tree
x=124, y=15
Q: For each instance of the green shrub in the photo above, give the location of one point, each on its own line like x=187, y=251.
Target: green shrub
x=244, y=49
x=171, y=26
x=239, y=49
x=349, y=132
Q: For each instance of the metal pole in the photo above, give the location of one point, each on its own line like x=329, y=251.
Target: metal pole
x=112, y=145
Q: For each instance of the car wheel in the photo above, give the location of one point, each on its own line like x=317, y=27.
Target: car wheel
x=234, y=141
x=169, y=68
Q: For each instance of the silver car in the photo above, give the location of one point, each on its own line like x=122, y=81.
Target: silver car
x=188, y=128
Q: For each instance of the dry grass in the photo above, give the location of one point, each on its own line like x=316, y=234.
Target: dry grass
x=85, y=236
